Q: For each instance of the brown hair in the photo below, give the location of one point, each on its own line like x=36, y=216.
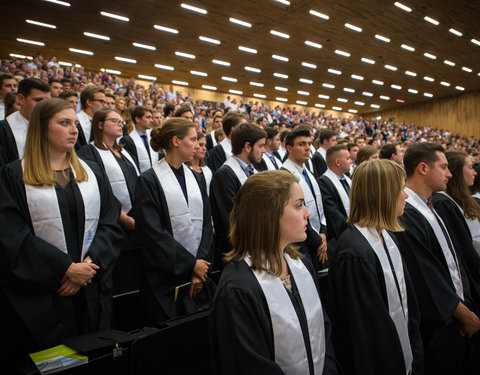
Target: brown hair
x=96, y=135
x=334, y=152
x=365, y=152
x=376, y=186
x=173, y=127
x=88, y=93
x=250, y=233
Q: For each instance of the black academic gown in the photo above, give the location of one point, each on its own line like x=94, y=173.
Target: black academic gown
x=81, y=140
x=445, y=349
x=335, y=213
x=260, y=167
x=319, y=164
x=129, y=145
x=8, y=146
x=216, y=157
x=209, y=141
x=167, y=263
x=223, y=188
x=364, y=335
x=241, y=333
x=32, y=269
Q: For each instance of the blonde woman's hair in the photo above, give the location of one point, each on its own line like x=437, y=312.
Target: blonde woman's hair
x=376, y=186
x=250, y=232
x=37, y=170
x=365, y=152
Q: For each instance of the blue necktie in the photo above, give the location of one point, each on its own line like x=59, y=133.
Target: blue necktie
x=145, y=142
x=272, y=158
x=304, y=172
x=345, y=185
x=249, y=170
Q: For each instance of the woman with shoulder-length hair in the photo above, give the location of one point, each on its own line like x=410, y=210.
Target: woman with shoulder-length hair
x=267, y=317
x=371, y=299
x=198, y=161
x=116, y=162
x=367, y=152
x=475, y=188
x=173, y=223
x=59, y=235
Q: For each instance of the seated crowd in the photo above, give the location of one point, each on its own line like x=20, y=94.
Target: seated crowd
x=94, y=166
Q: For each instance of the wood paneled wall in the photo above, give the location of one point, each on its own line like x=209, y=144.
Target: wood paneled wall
x=459, y=114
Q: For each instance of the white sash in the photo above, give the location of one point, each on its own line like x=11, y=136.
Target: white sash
x=282, y=152
x=19, y=126
x=117, y=179
x=227, y=146
x=317, y=216
x=186, y=219
x=143, y=159
x=237, y=169
x=207, y=173
x=476, y=195
x=86, y=124
x=290, y=351
x=397, y=304
x=323, y=153
x=341, y=190
x=268, y=161
x=212, y=136
x=46, y=217
x=452, y=262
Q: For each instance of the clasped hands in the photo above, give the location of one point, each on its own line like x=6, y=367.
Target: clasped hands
x=199, y=276
x=322, y=249
x=77, y=275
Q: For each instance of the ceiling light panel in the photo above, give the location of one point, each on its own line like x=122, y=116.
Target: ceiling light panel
x=368, y=61
x=221, y=62
x=342, y=53
x=402, y=7
x=115, y=16
x=209, y=40
x=280, y=58
x=347, y=89
x=382, y=38
x=42, y=24
x=308, y=65
x=181, y=83
x=279, y=34
x=305, y=80
x=318, y=14
x=408, y=48
x=353, y=27
x=252, y=69
x=247, y=49
x=164, y=67
x=166, y=29
x=334, y=71
x=240, y=22
x=193, y=8
x=184, y=54
x=313, y=44
x=28, y=41
x=144, y=46
x=431, y=20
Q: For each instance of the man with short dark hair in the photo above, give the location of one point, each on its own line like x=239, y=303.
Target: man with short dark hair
x=447, y=290
x=66, y=83
x=56, y=87
x=8, y=83
x=13, y=130
x=392, y=152
x=248, y=144
x=281, y=153
x=327, y=138
x=353, y=150
x=71, y=97
x=91, y=99
x=217, y=156
x=335, y=188
x=269, y=161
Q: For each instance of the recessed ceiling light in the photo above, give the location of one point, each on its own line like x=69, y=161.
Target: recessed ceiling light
x=166, y=29
x=374, y=106
x=183, y=54
x=150, y=78
x=455, y=32
x=377, y=82
x=209, y=40
x=64, y=3
x=144, y=46
x=83, y=52
x=112, y=71
x=240, y=22
x=427, y=94
x=334, y=71
x=407, y=47
x=431, y=20
x=402, y=6
x=368, y=61
x=193, y=8
x=335, y=108
x=318, y=14
x=115, y=16
x=280, y=88
x=125, y=59
x=347, y=89
x=448, y=62
x=383, y=97
x=352, y=111
x=390, y=67
x=251, y=69
x=281, y=58
x=366, y=93
x=400, y=100
x=230, y=79
x=42, y=24
x=429, y=79
x=221, y=62
x=96, y=36
x=182, y=83
x=305, y=80
x=164, y=67
x=475, y=41
x=343, y=100
x=280, y=75
x=357, y=77
x=63, y=63
x=313, y=44
x=460, y=88
x=238, y=92
x=24, y=57
x=359, y=103
x=323, y=96
x=342, y=53
x=208, y=87
x=444, y=83
x=305, y=93
x=284, y=2
x=382, y=38
x=301, y=102
x=396, y=87
x=409, y=73
x=308, y=65
x=260, y=96
x=328, y=85
x=353, y=27
x=281, y=99
x=464, y=68
x=429, y=55
x=320, y=105
x=28, y=41
x=258, y=84
x=247, y=49
x=197, y=73
x=413, y=91
x=280, y=34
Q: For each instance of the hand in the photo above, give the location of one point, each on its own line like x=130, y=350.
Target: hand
x=200, y=270
x=67, y=288
x=469, y=322
x=195, y=287
x=81, y=273
x=322, y=249
x=128, y=223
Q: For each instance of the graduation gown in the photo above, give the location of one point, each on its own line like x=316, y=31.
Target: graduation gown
x=364, y=335
x=218, y=155
x=166, y=262
x=241, y=333
x=32, y=269
x=8, y=144
x=319, y=164
x=445, y=349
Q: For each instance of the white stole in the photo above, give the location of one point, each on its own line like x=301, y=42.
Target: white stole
x=115, y=176
x=268, y=161
x=282, y=152
x=207, y=173
x=451, y=259
x=397, y=304
x=46, y=217
x=237, y=169
x=317, y=216
x=341, y=190
x=212, y=136
x=143, y=159
x=86, y=124
x=19, y=126
x=227, y=147
x=290, y=351
x=186, y=219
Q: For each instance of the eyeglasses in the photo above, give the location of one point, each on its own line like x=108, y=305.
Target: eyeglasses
x=103, y=102
x=115, y=120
